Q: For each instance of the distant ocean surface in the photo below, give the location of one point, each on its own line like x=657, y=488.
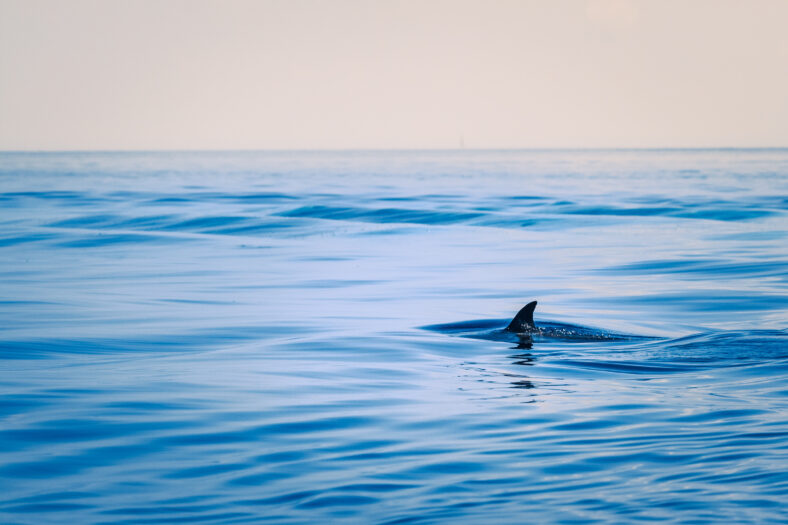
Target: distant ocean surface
x=238, y=337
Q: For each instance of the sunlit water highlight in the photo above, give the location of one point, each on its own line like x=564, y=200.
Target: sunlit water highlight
x=238, y=337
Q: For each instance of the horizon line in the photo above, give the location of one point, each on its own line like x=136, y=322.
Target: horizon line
x=408, y=149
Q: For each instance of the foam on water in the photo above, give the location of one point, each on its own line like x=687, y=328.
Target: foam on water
x=236, y=337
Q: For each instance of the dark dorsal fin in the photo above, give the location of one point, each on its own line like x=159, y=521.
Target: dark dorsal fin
x=524, y=320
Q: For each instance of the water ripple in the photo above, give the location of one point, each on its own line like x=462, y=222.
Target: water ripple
x=217, y=337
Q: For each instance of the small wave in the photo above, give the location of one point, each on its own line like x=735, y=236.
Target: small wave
x=44, y=195
x=45, y=348
x=23, y=239
x=710, y=210
x=704, y=267
x=754, y=345
x=114, y=229
x=258, y=198
x=205, y=224
x=627, y=367
x=86, y=220
x=104, y=240
x=383, y=215
x=711, y=300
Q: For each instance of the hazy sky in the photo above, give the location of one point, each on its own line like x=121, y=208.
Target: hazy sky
x=238, y=74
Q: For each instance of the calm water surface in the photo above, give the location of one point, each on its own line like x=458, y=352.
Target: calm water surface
x=238, y=337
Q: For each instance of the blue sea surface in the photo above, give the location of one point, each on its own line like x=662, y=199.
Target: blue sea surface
x=238, y=337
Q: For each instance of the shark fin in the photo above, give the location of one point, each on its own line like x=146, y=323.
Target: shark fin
x=523, y=322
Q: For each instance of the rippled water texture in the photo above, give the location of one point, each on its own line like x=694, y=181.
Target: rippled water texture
x=237, y=337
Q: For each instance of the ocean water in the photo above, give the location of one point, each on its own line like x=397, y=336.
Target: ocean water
x=240, y=337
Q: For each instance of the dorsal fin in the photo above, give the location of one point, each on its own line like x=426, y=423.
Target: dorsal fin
x=524, y=320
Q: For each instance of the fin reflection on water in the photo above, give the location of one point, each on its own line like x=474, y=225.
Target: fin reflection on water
x=523, y=359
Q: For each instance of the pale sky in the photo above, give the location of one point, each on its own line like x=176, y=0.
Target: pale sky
x=246, y=74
